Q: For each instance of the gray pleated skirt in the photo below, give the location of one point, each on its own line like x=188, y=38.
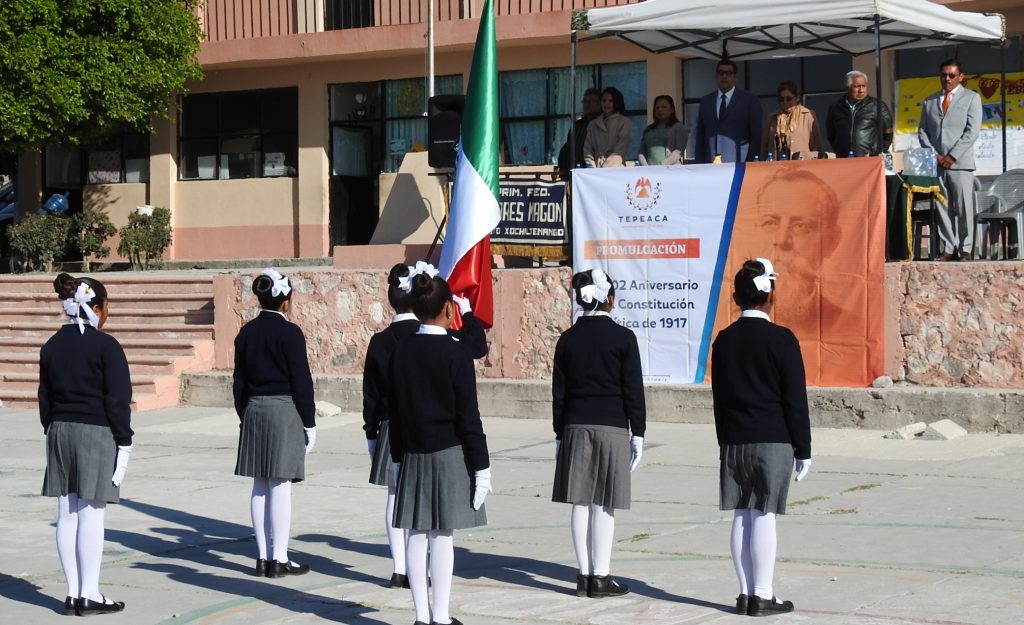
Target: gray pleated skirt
x=435, y=492
x=380, y=467
x=80, y=459
x=755, y=475
x=593, y=467
x=272, y=443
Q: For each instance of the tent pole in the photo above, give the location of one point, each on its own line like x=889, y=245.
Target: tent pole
x=1002, y=95
x=572, y=142
x=878, y=84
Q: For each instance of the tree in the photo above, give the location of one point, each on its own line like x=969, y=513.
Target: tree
x=74, y=71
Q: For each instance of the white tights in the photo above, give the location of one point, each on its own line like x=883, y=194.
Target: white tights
x=441, y=562
x=396, y=535
x=754, y=544
x=593, y=532
x=80, y=544
x=271, y=506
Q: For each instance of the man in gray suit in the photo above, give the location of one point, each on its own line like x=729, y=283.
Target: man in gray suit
x=950, y=124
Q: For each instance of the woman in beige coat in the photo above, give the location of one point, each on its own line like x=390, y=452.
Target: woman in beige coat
x=610, y=134
x=792, y=130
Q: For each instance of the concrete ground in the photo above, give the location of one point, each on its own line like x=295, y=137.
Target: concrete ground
x=882, y=532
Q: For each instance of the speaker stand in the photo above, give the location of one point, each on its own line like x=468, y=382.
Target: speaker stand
x=447, y=194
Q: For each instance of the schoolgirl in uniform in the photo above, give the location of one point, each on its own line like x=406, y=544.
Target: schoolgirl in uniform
x=761, y=417
x=273, y=391
x=598, y=402
x=376, y=389
x=85, y=396
x=438, y=445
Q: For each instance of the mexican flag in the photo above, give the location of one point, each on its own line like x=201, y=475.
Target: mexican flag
x=466, y=253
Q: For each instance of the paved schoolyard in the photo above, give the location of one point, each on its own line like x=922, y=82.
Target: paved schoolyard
x=880, y=533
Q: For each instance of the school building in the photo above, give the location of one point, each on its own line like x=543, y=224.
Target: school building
x=308, y=131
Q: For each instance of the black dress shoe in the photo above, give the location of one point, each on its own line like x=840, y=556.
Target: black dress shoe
x=605, y=586
x=261, y=567
x=741, y=604
x=767, y=607
x=398, y=580
x=455, y=621
x=280, y=569
x=86, y=607
x=69, y=605
x=582, y=585
x=947, y=257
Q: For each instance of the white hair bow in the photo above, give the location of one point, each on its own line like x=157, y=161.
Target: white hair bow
x=420, y=267
x=281, y=285
x=598, y=290
x=764, y=281
x=79, y=303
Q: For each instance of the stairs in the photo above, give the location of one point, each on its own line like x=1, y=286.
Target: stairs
x=164, y=322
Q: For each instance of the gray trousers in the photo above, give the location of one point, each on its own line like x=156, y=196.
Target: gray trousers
x=958, y=187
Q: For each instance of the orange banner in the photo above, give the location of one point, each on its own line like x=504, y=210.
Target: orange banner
x=822, y=224
x=642, y=248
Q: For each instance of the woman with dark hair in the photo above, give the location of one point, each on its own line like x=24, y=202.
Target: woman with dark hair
x=273, y=391
x=760, y=399
x=792, y=131
x=598, y=401
x=664, y=141
x=85, y=396
x=437, y=444
x=609, y=135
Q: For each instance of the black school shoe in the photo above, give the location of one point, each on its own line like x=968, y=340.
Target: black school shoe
x=261, y=567
x=86, y=607
x=767, y=607
x=605, y=586
x=741, y=604
x=398, y=580
x=280, y=569
x=582, y=585
x=69, y=605
x=455, y=621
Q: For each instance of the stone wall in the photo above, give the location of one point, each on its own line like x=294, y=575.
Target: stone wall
x=948, y=324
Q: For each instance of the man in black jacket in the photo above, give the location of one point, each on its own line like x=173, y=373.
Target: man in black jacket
x=852, y=123
x=591, y=109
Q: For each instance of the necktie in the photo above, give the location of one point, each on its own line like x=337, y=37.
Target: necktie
x=945, y=102
x=721, y=108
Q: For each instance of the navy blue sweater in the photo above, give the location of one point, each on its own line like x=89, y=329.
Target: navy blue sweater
x=597, y=378
x=433, y=400
x=83, y=378
x=759, y=388
x=270, y=359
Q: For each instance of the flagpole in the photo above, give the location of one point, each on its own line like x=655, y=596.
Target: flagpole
x=430, y=50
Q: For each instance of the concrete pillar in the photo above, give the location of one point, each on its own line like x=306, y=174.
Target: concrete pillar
x=29, y=182
x=866, y=64
x=665, y=77
x=163, y=165
x=311, y=215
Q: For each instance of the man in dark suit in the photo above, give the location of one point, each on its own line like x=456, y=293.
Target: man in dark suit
x=951, y=123
x=729, y=120
x=591, y=109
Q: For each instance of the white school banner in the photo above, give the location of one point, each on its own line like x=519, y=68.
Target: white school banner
x=662, y=235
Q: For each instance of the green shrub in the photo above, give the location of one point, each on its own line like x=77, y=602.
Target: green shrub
x=39, y=240
x=90, y=230
x=146, y=237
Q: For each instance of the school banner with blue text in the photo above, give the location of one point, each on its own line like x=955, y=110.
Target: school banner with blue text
x=672, y=238
x=532, y=219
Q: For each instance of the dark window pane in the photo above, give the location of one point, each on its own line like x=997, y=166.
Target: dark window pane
x=136, y=146
x=198, y=159
x=240, y=112
x=523, y=93
x=280, y=155
x=699, y=77
x=631, y=80
x=281, y=110
x=240, y=157
x=524, y=142
x=826, y=73
x=199, y=114
x=766, y=75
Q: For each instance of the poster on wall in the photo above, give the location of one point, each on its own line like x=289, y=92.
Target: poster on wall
x=988, y=151
x=672, y=238
x=532, y=219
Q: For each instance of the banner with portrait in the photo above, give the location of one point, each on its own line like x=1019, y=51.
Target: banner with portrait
x=988, y=150
x=672, y=238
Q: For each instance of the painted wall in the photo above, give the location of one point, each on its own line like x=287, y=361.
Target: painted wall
x=951, y=324
x=117, y=201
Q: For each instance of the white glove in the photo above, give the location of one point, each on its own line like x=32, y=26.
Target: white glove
x=121, y=464
x=310, y=438
x=673, y=158
x=801, y=467
x=558, y=448
x=463, y=303
x=371, y=447
x=636, y=448
x=396, y=469
x=482, y=486
x=642, y=159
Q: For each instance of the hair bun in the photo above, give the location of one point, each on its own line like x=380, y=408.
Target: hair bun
x=421, y=283
x=64, y=285
x=396, y=274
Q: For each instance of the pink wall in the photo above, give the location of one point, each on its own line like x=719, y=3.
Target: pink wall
x=950, y=324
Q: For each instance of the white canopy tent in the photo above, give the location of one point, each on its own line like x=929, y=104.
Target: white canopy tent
x=752, y=29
